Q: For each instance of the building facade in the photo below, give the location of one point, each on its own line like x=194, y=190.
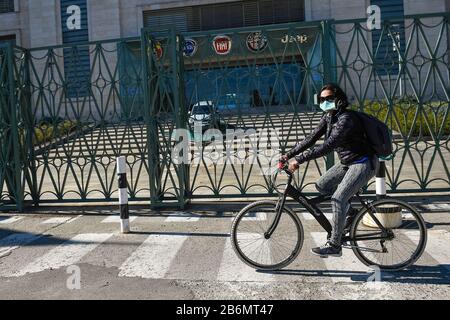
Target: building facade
x=38, y=23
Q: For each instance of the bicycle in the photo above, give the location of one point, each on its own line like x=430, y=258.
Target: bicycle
x=277, y=237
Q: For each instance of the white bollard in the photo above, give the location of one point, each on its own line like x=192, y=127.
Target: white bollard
x=123, y=195
x=380, y=180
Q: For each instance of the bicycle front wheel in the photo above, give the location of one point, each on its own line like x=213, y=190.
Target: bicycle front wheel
x=399, y=245
x=250, y=244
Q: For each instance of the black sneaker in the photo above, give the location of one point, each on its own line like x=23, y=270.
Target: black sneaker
x=349, y=219
x=328, y=249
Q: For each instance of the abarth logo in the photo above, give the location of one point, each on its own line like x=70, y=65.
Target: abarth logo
x=158, y=50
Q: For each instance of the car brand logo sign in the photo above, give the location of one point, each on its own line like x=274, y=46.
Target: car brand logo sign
x=158, y=50
x=190, y=47
x=300, y=38
x=256, y=42
x=222, y=44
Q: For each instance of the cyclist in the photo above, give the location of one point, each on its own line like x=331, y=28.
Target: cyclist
x=345, y=134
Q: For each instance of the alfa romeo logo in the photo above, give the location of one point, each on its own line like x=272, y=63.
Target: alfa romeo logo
x=256, y=42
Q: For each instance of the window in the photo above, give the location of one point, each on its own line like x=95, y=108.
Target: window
x=386, y=55
x=6, y=6
x=226, y=15
x=11, y=38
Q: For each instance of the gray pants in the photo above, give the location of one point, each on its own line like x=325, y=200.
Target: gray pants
x=343, y=182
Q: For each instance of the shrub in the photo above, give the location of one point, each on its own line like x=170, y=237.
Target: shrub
x=402, y=117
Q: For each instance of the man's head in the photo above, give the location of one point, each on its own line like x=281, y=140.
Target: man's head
x=332, y=98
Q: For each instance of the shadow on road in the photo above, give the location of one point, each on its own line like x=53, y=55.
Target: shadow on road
x=438, y=274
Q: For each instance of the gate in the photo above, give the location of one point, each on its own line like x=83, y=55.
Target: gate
x=243, y=96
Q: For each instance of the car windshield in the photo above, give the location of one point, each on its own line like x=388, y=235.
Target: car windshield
x=201, y=109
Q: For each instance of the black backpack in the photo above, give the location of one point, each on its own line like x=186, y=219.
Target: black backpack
x=377, y=133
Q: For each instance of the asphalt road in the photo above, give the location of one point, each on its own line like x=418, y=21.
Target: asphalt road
x=188, y=255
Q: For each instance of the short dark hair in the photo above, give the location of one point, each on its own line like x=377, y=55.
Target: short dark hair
x=341, y=97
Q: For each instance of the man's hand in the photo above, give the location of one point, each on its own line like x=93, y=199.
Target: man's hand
x=293, y=166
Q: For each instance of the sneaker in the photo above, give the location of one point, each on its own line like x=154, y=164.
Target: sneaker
x=349, y=219
x=328, y=249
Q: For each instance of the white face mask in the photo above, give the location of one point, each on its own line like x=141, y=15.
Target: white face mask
x=327, y=106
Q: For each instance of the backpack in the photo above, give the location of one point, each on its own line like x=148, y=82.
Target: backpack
x=377, y=134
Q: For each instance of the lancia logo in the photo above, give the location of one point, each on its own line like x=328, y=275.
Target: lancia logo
x=190, y=47
x=256, y=42
x=222, y=44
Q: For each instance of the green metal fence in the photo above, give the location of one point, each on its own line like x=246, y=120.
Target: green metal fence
x=61, y=129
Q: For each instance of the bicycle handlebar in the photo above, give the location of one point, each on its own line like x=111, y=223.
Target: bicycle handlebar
x=283, y=166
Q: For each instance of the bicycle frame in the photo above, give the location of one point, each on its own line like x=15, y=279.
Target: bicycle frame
x=311, y=206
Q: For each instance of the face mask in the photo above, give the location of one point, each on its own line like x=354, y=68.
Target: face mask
x=327, y=106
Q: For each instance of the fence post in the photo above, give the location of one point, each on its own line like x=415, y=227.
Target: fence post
x=123, y=195
x=15, y=161
x=327, y=72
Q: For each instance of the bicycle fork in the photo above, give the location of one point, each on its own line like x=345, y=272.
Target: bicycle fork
x=279, y=209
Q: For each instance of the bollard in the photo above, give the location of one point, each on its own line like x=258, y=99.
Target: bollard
x=123, y=195
x=380, y=180
x=389, y=216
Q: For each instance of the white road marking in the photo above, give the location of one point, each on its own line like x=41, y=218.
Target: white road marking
x=16, y=240
x=437, y=247
x=66, y=254
x=116, y=219
x=233, y=269
x=309, y=216
x=10, y=220
x=257, y=216
x=438, y=206
x=182, y=219
x=57, y=220
x=344, y=267
x=153, y=257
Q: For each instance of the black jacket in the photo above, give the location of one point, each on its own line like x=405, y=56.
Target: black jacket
x=344, y=134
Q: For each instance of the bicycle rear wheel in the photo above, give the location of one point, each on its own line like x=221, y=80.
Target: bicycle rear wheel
x=404, y=242
x=250, y=245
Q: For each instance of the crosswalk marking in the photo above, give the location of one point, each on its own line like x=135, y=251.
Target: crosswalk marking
x=152, y=259
x=233, y=269
x=66, y=254
x=343, y=268
x=16, y=240
x=57, y=220
x=309, y=216
x=183, y=218
x=438, y=206
x=116, y=219
x=437, y=245
x=256, y=216
x=10, y=220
